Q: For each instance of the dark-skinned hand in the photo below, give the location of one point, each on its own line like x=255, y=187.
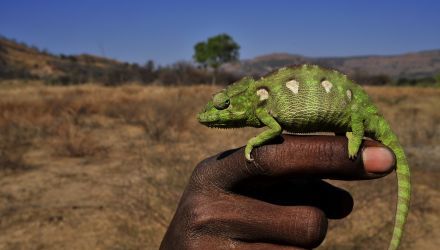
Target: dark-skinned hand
x=278, y=201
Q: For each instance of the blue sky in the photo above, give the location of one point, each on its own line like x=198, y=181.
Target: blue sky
x=166, y=31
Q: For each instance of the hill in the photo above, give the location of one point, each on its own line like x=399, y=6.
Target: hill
x=21, y=61
x=416, y=65
x=40, y=63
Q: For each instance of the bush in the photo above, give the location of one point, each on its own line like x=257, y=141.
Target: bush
x=424, y=81
x=374, y=80
x=15, y=140
x=72, y=141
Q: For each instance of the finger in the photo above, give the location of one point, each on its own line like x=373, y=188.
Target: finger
x=250, y=220
x=335, y=202
x=299, y=157
x=316, y=156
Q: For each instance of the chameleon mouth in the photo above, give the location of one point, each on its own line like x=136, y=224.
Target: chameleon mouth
x=209, y=120
x=213, y=121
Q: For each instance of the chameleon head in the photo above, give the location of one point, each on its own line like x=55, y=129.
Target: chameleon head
x=229, y=108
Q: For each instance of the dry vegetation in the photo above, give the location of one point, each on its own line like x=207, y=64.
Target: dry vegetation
x=91, y=167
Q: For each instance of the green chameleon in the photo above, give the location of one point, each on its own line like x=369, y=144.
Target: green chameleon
x=308, y=99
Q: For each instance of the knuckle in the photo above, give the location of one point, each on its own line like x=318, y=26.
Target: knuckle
x=200, y=174
x=202, y=217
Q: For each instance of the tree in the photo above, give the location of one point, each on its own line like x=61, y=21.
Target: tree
x=216, y=51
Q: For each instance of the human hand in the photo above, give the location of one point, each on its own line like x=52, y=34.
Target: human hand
x=278, y=201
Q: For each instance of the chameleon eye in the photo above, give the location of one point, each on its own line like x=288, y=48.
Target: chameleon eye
x=221, y=101
x=223, y=105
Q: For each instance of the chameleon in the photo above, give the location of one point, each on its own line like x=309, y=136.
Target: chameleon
x=305, y=99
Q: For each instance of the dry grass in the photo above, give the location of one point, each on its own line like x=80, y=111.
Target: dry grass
x=91, y=167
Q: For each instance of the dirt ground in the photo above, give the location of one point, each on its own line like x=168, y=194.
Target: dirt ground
x=91, y=167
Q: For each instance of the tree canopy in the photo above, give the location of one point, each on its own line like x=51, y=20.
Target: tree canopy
x=216, y=51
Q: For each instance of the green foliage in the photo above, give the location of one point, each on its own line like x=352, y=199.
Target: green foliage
x=216, y=51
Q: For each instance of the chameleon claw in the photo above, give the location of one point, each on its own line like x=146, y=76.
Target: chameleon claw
x=249, y=159
x=352, y=154
x=247, y=153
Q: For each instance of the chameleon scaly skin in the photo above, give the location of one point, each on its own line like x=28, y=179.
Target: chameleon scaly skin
x=309, y=99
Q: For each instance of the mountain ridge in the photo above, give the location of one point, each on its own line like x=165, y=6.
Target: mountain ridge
x=425, y=63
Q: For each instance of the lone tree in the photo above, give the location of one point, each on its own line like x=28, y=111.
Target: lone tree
x=216, y=51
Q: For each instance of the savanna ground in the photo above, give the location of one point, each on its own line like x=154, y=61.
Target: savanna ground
x=91, y=167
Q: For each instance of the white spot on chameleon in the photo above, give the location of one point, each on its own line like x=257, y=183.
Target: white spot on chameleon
x=293, y=86
x=327, y=85
x=263, y=94
x=349, y=94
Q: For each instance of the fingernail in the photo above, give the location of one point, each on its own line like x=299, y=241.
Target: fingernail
x=378, y=159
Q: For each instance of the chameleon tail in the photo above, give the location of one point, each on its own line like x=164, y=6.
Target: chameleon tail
x=384, y=133
x=403, y=196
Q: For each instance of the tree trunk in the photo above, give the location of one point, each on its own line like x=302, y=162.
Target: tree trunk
x=214, y=76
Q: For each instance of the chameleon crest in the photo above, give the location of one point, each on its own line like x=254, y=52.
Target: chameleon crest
x=308, y=99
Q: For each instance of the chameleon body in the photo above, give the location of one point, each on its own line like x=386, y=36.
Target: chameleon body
x=308, y=99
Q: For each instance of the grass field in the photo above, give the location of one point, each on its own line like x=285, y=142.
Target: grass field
x=91, y=167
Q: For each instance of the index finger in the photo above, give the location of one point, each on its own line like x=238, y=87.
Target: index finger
x=319, y=157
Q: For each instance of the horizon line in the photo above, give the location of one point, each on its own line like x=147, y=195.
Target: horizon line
x=42, y=49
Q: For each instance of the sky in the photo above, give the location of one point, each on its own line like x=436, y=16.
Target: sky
x=166, y=31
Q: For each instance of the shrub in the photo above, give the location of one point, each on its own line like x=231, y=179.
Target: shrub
x=15, y=140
